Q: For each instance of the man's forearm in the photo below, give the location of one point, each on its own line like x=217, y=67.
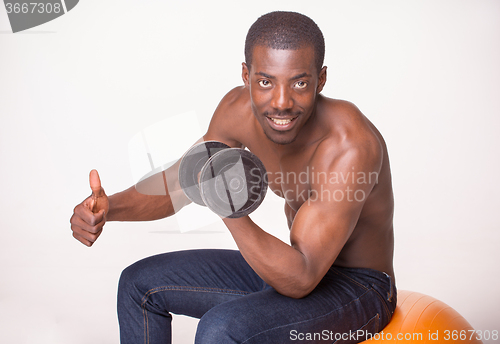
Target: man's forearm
x=277, y=263
x=130, y=205
x=155, y=198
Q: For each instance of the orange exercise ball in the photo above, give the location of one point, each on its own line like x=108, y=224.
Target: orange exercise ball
x=420, y=318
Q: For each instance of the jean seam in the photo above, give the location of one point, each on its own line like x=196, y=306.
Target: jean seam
x=146, y=324
x=313, y=319
x=353, y=280
x=392, y=288
x=187, y=288
x=366, y=288
x=387, y=312
x=384, y=287
x=381, y=285
x=377, y=328
x=150, y=292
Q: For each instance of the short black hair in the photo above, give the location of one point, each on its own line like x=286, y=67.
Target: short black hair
x=285, y=30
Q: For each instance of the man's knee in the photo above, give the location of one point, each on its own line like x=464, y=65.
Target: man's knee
x=132, y=280
x=214, y=331
x=139, y=280
x=127, y=282
x=222, y=325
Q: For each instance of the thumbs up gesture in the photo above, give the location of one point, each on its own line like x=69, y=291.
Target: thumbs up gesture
x=89, y=216
x=99, y=201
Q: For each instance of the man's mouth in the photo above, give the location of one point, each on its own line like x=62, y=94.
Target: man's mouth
x=279, y=121
x=281, y=124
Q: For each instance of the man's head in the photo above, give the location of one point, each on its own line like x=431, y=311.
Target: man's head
x=283, y=73
x=285, y=31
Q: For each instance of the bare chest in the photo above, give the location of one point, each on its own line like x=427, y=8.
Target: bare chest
x=288, y=176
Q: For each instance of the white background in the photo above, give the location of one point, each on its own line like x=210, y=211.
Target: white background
x=75, y=91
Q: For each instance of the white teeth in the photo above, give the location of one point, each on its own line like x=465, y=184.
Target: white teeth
x=281, y=121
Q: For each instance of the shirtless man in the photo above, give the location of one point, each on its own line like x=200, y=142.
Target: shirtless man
x=335, y=282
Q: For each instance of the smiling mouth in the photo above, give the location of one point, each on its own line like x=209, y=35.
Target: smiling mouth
x=279, y=121
x=281, y=124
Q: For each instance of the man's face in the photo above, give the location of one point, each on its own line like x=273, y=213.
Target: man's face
x=283, y=88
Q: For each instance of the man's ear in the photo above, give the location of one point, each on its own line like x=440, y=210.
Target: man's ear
x=245, y=74
x=321, y=80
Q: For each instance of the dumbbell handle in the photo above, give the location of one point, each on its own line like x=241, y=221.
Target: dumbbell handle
x=243, y=169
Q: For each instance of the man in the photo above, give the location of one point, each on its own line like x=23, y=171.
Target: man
x=335, y=282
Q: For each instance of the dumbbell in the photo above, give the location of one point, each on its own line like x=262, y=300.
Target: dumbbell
x=231, y=182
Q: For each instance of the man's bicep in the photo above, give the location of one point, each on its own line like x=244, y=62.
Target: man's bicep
x=319, y=231
x=325, y=222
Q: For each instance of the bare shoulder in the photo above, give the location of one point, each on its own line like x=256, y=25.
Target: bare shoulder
x=349, y=134
x=232, y=115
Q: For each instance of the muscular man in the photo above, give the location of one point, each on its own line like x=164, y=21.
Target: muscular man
x=336, y=280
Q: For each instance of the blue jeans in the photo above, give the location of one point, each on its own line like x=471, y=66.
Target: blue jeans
x=235, y=305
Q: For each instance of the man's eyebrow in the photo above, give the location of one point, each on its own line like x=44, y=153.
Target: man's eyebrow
x=301, y=76
x=265, y=75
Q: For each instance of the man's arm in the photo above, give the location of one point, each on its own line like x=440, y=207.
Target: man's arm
x=150, y=199
x=154, y=198
x=320, y=229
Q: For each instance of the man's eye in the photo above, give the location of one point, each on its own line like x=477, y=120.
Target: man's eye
x=264, y=83
x=301, y=84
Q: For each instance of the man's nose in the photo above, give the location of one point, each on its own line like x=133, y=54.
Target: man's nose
x=282, y=99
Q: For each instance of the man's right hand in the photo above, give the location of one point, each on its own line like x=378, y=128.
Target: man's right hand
x=89, y=216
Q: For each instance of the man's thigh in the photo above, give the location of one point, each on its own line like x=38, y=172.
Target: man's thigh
x=343, y=308
x=189, y=282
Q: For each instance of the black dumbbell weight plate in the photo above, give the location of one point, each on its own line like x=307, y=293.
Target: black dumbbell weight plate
x=233, y=183
x=191, y=164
